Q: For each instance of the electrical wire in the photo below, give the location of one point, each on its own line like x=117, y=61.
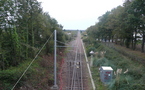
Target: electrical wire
x=31, y=62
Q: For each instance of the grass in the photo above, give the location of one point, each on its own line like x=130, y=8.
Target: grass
x=135, y=55
x=97, y=81
x=134, y=79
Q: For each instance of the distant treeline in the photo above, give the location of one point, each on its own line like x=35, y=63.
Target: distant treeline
x=124, y=25
x=24, y=28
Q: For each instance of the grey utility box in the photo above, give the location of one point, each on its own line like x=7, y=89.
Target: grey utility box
x=106, y=73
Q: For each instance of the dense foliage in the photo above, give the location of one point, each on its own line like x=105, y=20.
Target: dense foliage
x=24, y=28
x=132, y=72
x=132, y=79
x=122, y=25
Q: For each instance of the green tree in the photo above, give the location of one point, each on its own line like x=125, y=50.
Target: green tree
x=24, y=28
x=139, y=10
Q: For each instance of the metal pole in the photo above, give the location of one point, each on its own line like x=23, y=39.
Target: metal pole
x=55, y=87
x=91, y=63
x=55, y=57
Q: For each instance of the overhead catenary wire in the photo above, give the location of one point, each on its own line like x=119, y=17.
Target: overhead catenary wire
x=31, y=62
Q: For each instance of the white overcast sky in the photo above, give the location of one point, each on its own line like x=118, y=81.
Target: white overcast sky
x=78, y=14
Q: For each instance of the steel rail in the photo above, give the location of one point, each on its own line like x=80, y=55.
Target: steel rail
x=70, y=64
x=74, y=68
x=70, y=58
x=81, y=67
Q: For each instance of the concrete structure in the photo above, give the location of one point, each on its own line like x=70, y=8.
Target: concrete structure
x=91, y=62
x=106, y=73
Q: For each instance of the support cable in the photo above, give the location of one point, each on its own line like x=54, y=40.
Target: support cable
x=31, y=62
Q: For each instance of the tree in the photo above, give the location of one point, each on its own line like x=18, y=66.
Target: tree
x=140, y=9
x=24, y=28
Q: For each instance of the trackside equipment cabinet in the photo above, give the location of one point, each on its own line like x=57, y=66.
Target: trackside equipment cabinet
x=106, y=74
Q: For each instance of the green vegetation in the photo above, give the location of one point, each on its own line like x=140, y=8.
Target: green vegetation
x=122, y=25
x=71, y=34
x=24, y=28
x=39, y=76
x=118, y=28
x=132, y=76
x=10, y=76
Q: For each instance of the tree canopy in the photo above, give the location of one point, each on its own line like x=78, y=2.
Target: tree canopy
x=24, y=28
x=122, y=24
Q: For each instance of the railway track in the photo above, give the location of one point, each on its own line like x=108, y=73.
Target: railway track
x=74, y=64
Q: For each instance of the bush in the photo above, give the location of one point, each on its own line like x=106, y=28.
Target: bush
x=10, y=76
x=101, y=62
x=134, y=79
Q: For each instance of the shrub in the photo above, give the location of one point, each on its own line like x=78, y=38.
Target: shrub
x=10, y=76
x=134, y=79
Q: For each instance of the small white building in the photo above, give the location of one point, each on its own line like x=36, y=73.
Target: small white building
x=106, y=73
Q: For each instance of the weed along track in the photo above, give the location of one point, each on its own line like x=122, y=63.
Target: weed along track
x=74, y=76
